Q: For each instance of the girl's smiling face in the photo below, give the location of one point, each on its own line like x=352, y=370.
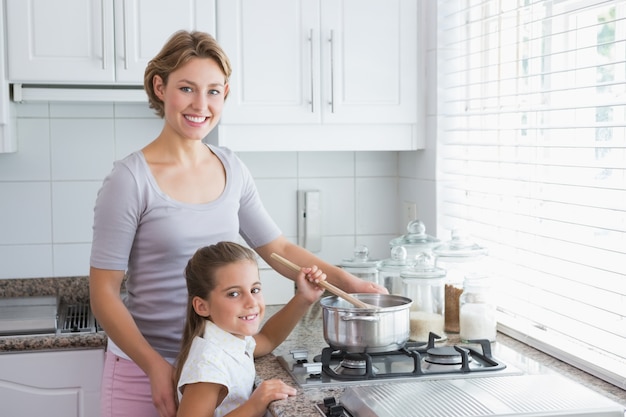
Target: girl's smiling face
x=236, y=303
x=193, y=97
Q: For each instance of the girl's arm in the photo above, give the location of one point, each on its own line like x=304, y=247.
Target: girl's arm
x=278, y=327
x=202, y=398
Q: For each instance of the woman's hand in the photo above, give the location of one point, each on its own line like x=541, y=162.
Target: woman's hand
x=163, y=388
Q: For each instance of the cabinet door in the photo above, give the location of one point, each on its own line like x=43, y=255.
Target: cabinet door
x=369, y=61
x=143, y=26
x=60, y=40
x=321, y=61
x=273, y=46
x=51, y=384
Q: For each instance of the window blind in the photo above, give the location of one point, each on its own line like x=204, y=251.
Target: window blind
x=531, y=161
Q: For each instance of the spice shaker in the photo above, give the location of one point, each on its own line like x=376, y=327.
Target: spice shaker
x=415, y=241
x=361, y=265
x=389, y=270
x=477, y=312
x=460, y=256
x=423, y=283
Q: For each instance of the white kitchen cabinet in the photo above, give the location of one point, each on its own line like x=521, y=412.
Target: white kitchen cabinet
x=343, y=63
x=94, y=41
x=51, y=383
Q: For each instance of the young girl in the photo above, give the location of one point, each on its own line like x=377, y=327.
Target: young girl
x=215, y=369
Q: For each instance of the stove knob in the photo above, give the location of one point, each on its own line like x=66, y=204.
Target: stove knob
x=336, y=411
x=329, y=401
x=313, y=368
x=299, y=354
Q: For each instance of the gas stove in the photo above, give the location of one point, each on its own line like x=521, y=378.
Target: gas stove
x=415, y=360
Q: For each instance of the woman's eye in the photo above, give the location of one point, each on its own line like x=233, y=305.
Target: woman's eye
x=214, y=92
x=185, y=89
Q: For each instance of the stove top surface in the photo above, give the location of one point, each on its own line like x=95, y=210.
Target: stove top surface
x=415, y=361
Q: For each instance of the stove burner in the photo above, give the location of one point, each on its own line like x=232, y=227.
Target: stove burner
x=353, y=364
x=445, y=355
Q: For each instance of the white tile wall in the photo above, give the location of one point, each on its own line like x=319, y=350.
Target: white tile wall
x=48, y=187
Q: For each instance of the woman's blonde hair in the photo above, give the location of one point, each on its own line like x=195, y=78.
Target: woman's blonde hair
x=200, y=276
x=181, y=47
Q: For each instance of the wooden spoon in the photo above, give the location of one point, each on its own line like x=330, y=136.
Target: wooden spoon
x=327, y=285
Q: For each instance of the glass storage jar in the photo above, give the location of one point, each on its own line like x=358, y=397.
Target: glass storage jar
x=477, y=311
x=361, y=265
x=415, y=241
x=389, y=270
x=423, y=283
x=459, y=257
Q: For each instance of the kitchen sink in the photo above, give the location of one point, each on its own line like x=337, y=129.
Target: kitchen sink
x=38, y=315
x=28, y=315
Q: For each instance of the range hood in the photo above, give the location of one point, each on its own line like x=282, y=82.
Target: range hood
x=78, y=93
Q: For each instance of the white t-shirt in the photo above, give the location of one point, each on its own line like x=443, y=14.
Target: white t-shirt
x=221, y=358
x=141, y=230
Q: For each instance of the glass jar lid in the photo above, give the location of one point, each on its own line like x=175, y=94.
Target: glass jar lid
x=415, y=236
x=361, y=259
x=460, y=245
x=397, y=260
x=423, y=266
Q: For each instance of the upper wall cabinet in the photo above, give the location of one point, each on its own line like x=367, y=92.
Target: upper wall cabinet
x=320, y=63
x=94, y=41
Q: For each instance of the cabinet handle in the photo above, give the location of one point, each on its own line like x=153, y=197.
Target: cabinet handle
x=125, y=40
x=102, y=22
x=332, y=74
x=311, y=68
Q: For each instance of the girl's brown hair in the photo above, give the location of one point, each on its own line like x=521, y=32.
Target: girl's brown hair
x=179, y=49
x=200, y=276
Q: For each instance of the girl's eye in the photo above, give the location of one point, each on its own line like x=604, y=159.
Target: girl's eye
x=256, y=290
x=233, y=294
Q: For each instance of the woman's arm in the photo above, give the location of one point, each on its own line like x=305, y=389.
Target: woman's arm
x=300, y=256
x=115, y=319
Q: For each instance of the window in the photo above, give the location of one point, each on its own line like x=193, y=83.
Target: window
x=532, y=163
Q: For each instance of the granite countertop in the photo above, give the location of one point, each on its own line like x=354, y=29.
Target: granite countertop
x=308, y=334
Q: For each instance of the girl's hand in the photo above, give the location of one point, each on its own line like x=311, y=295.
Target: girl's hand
x=306, y=283
x=268, y=391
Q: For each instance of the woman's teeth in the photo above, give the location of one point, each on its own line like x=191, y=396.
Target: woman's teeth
x=195, y=119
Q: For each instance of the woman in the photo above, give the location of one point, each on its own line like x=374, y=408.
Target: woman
x=155, y=208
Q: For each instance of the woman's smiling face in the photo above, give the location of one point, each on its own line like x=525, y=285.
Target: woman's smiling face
x=193, y=97
x=236, y=303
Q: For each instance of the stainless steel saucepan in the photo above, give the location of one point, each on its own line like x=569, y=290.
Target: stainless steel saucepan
x=381, y=329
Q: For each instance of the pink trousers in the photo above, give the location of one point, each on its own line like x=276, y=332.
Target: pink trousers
x=125, y=389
